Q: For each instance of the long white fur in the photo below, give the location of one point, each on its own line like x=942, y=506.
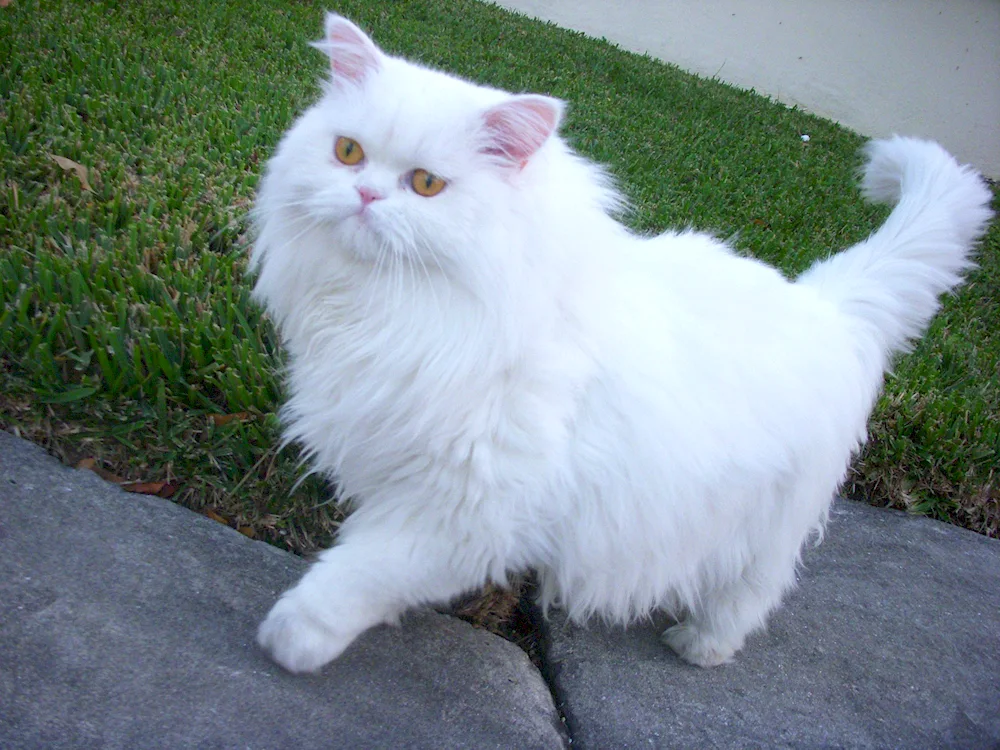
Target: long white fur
x=503, y=377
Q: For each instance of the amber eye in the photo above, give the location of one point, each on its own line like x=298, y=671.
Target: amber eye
x=426, y=184
x=348, y=151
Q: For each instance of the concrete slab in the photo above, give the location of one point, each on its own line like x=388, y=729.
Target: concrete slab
x=128, y=622
x=922, y=67
x=892, y=640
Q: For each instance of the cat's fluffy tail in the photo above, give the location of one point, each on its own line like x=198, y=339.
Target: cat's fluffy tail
x=892, y=280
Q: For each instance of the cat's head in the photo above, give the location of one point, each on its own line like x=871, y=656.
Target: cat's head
x=399, y=160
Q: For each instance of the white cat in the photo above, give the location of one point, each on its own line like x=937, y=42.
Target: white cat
x=500, y=376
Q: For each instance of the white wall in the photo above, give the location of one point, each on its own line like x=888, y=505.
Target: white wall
x=918, y=67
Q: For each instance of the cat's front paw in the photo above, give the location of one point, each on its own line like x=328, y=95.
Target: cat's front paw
x=695, y=647
x=298, y=641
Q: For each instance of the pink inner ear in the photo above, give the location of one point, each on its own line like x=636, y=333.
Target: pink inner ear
x=517, y=128
x=352, y=53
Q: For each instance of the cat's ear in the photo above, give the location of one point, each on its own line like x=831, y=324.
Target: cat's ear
x=352, y=54
x=514, y=130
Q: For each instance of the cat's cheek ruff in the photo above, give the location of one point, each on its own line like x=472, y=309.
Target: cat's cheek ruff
x=330, y=206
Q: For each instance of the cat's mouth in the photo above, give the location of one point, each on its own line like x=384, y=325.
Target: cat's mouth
x=364, y=214
x=363, y=236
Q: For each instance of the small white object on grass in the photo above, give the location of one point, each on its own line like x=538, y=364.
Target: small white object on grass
x=805, y=138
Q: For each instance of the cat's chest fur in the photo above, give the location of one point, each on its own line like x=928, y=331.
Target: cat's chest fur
x=424, y=386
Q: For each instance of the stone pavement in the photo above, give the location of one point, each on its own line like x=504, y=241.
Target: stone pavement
x=891, y=640
x=128, y=622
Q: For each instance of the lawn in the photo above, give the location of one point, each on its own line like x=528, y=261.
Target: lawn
x=134, y=135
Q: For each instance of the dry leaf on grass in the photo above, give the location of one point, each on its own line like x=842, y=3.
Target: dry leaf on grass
x=246, y=531
x=188, y=231
x=215, y=516
x=90, y=464
x=160, y=489
x=222, y=419
x=69, y=165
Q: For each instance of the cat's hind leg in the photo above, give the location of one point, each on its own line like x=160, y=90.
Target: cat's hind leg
x=716, y=627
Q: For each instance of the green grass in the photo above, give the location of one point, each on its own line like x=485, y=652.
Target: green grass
x=126, y=329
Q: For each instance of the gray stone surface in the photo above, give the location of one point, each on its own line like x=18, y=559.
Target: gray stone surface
x=891, y=640
x=128, y=622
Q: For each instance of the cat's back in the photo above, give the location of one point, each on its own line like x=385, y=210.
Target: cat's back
x=685, y=324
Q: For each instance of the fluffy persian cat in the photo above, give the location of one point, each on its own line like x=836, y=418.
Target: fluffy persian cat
x=500, y=376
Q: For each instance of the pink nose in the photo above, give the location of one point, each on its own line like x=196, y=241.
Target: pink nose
x=368, y=196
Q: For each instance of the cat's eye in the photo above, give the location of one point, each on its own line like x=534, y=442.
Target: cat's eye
x=426, y=184
x=348, y=151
